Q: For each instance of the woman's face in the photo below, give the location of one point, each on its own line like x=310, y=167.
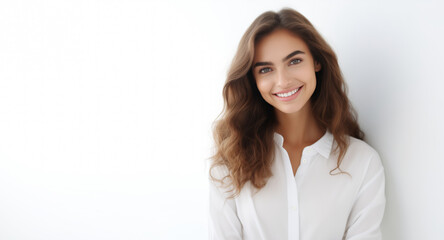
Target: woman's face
x=284, y=70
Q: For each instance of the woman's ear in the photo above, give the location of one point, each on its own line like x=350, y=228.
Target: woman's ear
x=317, y=66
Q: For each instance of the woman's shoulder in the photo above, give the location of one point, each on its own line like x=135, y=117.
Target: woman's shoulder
x=218, y=171
x=219, y=174
x=360, y=147
x=361, y=155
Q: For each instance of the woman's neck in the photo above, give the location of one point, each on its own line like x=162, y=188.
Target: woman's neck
x=299, y=129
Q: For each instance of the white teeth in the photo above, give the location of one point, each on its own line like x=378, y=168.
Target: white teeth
x=288, y=94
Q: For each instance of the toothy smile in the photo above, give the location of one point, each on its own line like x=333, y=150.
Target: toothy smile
x=288, y=94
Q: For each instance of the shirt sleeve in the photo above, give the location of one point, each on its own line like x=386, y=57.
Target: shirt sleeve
x=368, y=209
x=224, y=222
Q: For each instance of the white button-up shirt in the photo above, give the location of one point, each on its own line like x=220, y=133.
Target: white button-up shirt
x=311, y=205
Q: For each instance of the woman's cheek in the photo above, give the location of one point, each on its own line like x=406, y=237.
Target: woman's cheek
x=260, y=82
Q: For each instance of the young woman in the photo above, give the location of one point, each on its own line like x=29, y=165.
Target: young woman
x=290, y=162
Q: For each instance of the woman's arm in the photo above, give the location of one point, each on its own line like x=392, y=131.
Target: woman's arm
x=224, y=222
x=368, y=210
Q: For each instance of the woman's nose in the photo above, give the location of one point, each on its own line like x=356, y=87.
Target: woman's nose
x=283, y=78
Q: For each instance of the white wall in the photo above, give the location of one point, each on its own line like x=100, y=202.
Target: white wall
x=106, y=109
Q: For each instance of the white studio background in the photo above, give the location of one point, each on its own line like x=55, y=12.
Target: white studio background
x=106, y=109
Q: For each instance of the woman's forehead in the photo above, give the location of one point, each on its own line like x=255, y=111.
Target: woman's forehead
x=277, y=45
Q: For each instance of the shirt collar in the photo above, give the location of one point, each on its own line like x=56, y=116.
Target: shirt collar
x=323, y=146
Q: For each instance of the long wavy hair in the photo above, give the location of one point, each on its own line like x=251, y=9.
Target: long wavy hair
x=243, y=132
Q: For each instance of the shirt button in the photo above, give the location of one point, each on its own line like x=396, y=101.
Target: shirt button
x=304, y=160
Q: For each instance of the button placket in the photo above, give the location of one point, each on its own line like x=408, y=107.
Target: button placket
x=303, y=160
x=307, y=154
x=293, y=208
x=292, y=198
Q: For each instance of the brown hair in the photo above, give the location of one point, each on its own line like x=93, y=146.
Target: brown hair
x=244, y=132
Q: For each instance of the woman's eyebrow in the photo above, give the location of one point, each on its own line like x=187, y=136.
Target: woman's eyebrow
x=292, y=54
x=283, y=60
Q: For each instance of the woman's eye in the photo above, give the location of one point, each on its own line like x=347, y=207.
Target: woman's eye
x=264, y=70
x=295, y=61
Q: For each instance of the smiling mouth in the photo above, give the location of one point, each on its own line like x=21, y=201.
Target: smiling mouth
x=287, y=94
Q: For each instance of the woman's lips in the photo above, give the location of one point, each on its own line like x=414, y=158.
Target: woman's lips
x=289, y=95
